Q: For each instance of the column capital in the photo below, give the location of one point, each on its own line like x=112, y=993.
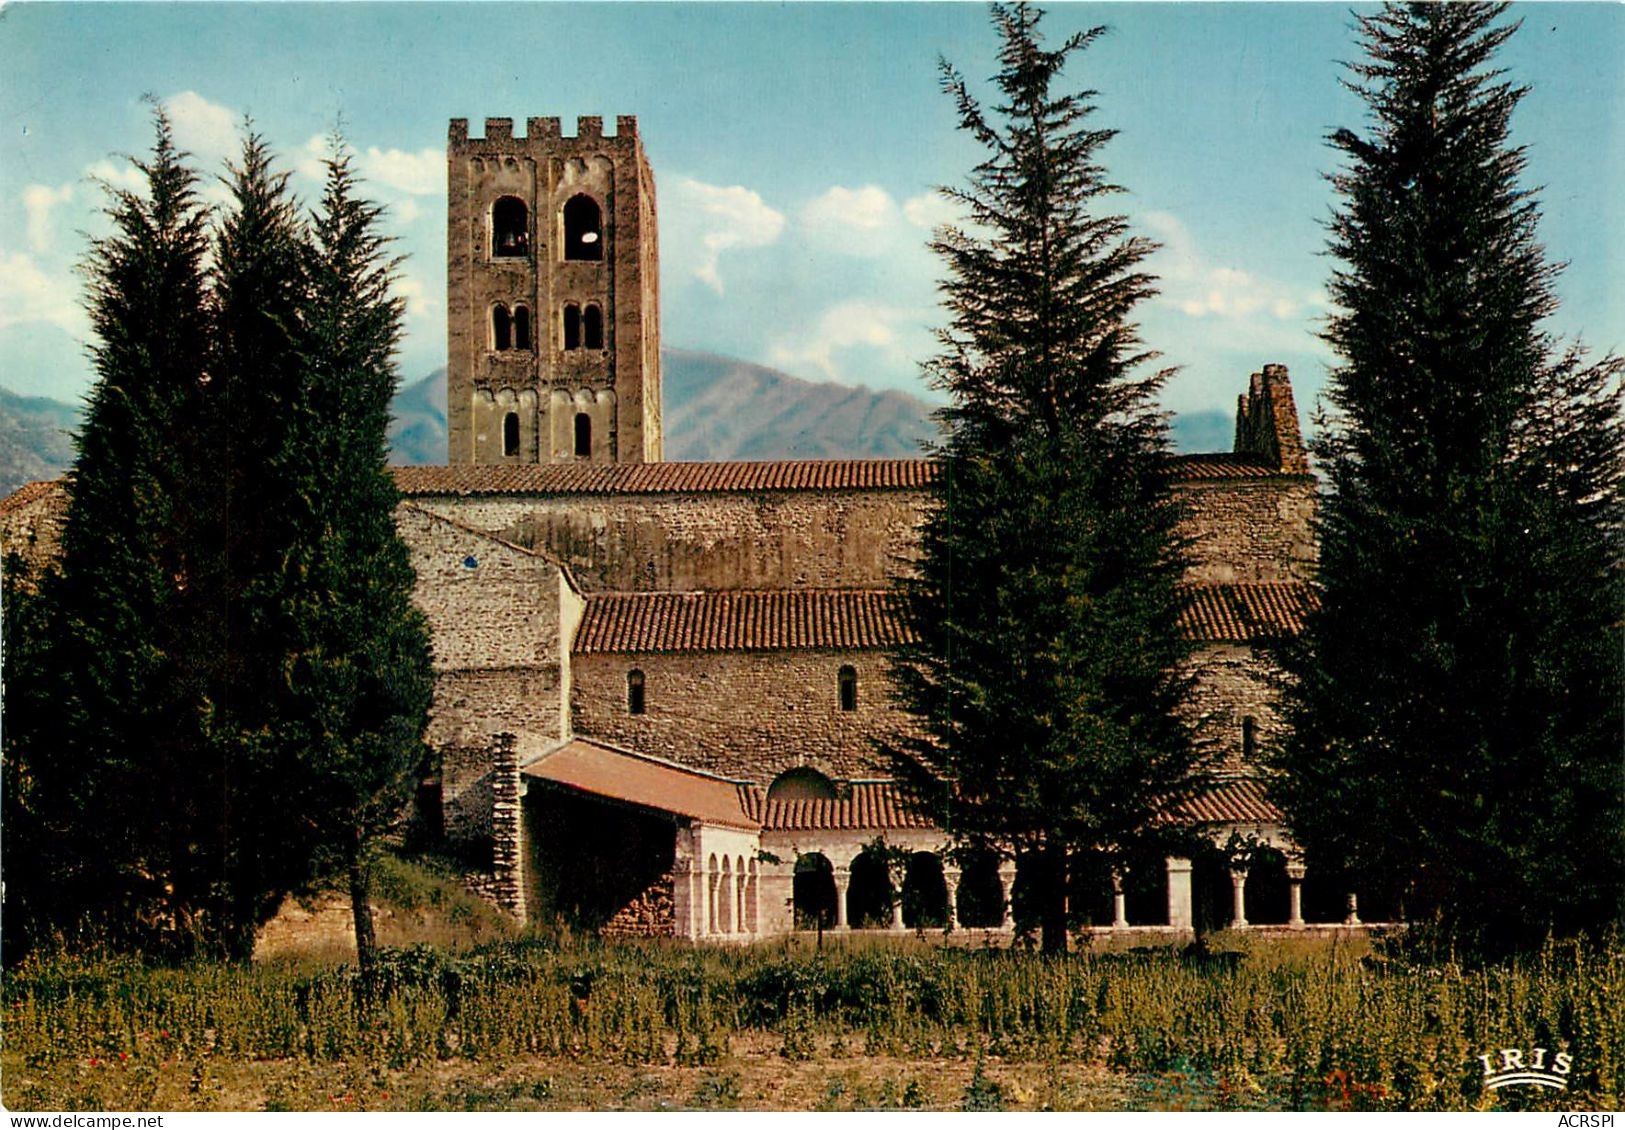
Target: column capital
x=1296, y=872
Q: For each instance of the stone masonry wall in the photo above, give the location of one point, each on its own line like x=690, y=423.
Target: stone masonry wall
x=1232, y=683
x=741, y=714
x=686, y=542
x=1250, y=530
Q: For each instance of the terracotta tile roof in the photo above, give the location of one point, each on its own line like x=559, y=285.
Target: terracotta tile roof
x=773, y=475
x=1236, y=800
x=1221, y=465
x=868, y=804
x=1245, y=612
x=666, y=478
x=739, y=621
x=861, y=619
x=29, y=492
x=633, y=778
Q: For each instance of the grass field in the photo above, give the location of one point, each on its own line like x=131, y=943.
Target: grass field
x=544, y=1023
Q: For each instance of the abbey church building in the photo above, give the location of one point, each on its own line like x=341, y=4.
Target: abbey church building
x=659, y=685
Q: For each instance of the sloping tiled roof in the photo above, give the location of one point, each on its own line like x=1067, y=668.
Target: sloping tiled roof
x=771, y=475
x=1245, y=612
x=868, y=804
x=855, y=619
x=666, y=478
x=1221, y=465
x=1235, y=800
x=619, y=774
x=27, y=493
x=739, y=621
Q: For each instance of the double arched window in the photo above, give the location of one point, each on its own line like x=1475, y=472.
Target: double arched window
x=583, y=328
x=510, y=331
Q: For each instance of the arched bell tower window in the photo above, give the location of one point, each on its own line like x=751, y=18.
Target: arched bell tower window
x=592, y=327
x=510, y=228
x=510, y=434
x=521, y=328
x=572, y=326
x=847, y=682
x=634, y=692
x=583, y=436
x=583, y=228
x=501, y=328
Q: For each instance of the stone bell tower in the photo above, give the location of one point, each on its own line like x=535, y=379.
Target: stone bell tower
x=552, y=295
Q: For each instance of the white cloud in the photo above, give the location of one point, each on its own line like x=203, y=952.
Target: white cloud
x=205, y=129
x=119, y=174
x=29, y=294
x=1200, y=288
x=39, y=200
x=419, y=174
x=845, y=327
x=930, y=210
x=853, y=221
x=719, y=218
x=420, y=300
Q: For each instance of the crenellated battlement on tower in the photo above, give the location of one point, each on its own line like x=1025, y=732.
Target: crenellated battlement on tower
x=589, y=128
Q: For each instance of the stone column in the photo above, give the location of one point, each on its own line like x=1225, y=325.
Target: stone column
x=711, y=879
x=1238, y=897
x=1007, y=885
x=741, y=920
x=507, y=826
x=950, y=880
x=1294, y=878
x=682, y=897
x=753, y=898
x=843, y=880
x=1119, y=903
x=1353, y=916
x=1181, y=911
x=897, y=908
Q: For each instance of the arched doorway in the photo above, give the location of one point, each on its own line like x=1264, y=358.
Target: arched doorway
x=869, y=893
x=980, y=899
x=813, y=892
x=925, y=892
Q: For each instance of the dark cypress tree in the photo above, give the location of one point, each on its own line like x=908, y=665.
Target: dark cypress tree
x=1045, y=602
x=1456, y=704
x=357, y=680
x=107, y=718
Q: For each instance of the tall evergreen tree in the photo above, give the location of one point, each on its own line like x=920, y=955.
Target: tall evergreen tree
x=1045, y=601
x=107, y=718
x=356, y=677
x=1456, y=707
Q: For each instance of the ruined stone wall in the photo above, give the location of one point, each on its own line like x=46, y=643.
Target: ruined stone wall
x=1250, y=530
x=687, y=542
x=1233, y=682
x=741, y=714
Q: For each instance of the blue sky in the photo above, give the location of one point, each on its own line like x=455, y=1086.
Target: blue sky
x=796, y=149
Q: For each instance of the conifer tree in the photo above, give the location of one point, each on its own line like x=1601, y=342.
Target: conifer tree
x=106, y=715
x=1045, y=601
x=1456, y=704
x=357, y=676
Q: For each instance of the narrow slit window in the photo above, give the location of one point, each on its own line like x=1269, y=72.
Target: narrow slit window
x=634, y=692
x=583, y=228
x=510, y=434
x=501, y=328
x=848, y=684
x=521, y=328
x=1249, y=738
x=592, y=327
x=572, y=326
x=583, y=436
x=510, y=228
